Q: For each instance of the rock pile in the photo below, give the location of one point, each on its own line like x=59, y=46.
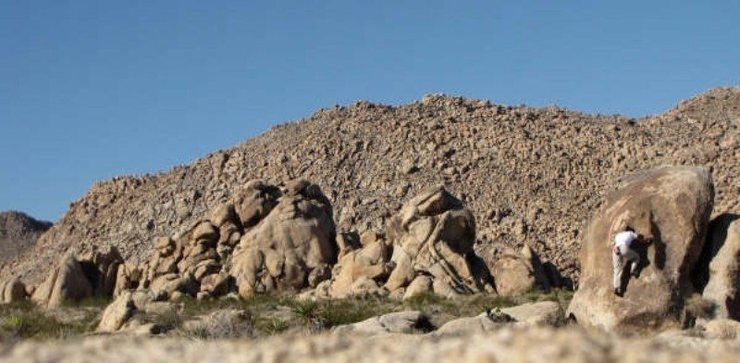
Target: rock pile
x=266, y=238
x=433, y=237
x=427, y=247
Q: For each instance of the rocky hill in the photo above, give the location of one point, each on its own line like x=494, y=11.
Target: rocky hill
x=530, y=175
x=18, y=233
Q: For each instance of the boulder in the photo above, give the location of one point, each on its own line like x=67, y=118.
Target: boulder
x=372, y=261
x=254, y=201
x=537, y=313
x=215, y=284
x=117, y=313
x=12, y=290
x=433, y=234
x=117, y=316
x=468, y=325
x=67, y=282
x=422, y=284
x=723, y=287
x=400, y=322
x=124, y=280
x=171, y=283
x=281, y=250
x=516, y=273
x=669, y=207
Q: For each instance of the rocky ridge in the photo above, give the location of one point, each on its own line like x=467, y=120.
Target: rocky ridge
x=530, y=176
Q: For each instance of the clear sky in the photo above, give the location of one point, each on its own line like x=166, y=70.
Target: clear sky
x=94, y=89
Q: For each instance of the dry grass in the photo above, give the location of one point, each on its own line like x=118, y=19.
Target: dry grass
x=258, y=316
x=24, y=320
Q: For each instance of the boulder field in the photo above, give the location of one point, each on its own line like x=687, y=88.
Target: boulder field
x=278, y=238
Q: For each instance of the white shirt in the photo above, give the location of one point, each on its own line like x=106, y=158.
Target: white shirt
x=623, y=240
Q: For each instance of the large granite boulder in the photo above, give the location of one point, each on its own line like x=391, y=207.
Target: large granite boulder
x=293, y=239
x=67, y=282
x=433, y=234
x=723, y=287
x=670, y=208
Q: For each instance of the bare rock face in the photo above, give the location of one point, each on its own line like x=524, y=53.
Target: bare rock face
x=67, y=282
x=12, y=290
x=293, y=239
x=723, y=287
x=670, y=208
x=433, y=234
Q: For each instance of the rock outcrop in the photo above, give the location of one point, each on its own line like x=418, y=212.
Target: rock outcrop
x=433, y=235
x=670, y=208
x=369, y=263
x=92, y=272
x=292, y=244
x=723, y=287
x=67, y=282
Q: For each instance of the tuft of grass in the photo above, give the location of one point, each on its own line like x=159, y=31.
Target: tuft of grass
x=91, y=302
x=485, y=302
x=305, y=309
x=271, y=326
x=168, y=320
x=337, y=312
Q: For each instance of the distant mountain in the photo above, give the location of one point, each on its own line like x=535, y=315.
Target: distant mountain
x=18, y=233
x=530, y=175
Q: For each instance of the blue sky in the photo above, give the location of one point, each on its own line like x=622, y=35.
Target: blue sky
x=94, y=89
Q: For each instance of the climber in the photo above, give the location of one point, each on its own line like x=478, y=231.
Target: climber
x=622, y=254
